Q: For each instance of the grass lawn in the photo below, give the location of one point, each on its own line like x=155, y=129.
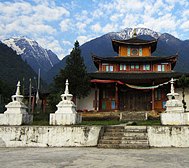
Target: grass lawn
x=138, y=123
x=43, y=120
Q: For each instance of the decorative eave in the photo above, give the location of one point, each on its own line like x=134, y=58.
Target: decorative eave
x=136, y=77
x=134, y=42
x=131, y=59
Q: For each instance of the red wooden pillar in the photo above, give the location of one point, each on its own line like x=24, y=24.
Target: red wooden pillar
x=153, y=98
x=42, y=100
x=44, y=106
x=116, y=98
x=117, y=67
x=100, y=66
x=95, y=97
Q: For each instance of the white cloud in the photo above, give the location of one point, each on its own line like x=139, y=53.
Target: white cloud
x=96, y=28
x=41, y=29
x=96, y=14
x=166, y=22
x=174, y=33
x=49, y=14
x=72, y=20
x=65, y=25
x=81, y=26
x=67, y=43
x=82, y=39
x=182, y=2
x=110, y=28
x=130, y=20
x=185, y=14
x=123, y=6
x=126, y=6
x=84, y=18
x=185, y=25
x=116, y=17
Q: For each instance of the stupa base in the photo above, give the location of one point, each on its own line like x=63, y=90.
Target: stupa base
x=15, y=119
x=65, y=118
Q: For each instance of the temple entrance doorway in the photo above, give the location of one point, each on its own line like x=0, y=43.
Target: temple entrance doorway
x=135, y=100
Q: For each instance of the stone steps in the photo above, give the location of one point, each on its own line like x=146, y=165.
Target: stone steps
x=133, y=116
x=133, y=146
x=125, y=137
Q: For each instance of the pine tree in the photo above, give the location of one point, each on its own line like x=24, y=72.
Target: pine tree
x=75, y=72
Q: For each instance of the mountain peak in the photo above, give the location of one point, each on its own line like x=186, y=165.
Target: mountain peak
x=129, y=32
x=30, y=51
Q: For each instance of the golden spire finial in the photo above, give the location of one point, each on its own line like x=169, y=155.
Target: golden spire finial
x=135, y=34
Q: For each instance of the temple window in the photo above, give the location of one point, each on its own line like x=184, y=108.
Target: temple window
x=134, y=66
x=108, y=67
x=146, y=66
x=161, y=67
x=122, y=67
x=134, y=51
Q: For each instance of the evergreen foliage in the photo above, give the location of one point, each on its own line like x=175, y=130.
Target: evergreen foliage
x=75, y=72
x=183, y=82
x=6, y=91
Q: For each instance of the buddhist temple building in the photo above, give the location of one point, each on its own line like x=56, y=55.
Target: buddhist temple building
x=132, y=81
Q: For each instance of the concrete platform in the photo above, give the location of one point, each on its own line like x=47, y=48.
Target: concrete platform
x=93, y=157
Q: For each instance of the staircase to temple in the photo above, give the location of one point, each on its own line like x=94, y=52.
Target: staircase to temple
x=125, y=137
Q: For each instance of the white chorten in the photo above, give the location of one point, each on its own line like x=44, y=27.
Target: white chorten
x=66, y=110
x=16, y=111
x=174, y=114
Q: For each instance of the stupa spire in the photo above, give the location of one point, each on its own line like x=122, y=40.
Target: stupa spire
x=135, y=34
x=18, y=88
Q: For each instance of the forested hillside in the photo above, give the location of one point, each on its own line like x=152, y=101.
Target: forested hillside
x=13, y=68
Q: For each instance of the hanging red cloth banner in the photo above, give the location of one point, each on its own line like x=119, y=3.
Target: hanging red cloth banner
x=131, y=86
x=106, y=81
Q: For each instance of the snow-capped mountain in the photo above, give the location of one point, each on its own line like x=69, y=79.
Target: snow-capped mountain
x=128, y=33
x=31, y=52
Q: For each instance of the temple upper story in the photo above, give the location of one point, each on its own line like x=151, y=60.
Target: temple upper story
x=130, y=64
x=134, y=46
x=134, y=54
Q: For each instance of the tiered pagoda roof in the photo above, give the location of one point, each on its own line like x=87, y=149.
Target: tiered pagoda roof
x=136, y=77
x=134, y=42
x=131, y=59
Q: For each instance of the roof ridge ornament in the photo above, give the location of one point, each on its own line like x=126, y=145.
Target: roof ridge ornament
x=135, y=34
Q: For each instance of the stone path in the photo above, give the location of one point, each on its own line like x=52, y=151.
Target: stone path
x=93, y=157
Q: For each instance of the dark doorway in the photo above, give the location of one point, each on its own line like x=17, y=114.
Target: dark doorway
x=135, y=100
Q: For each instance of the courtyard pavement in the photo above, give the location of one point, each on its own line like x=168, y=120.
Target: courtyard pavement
x=94, y=158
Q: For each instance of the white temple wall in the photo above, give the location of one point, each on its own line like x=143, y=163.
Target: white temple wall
x=179, y=91
x=87, y=102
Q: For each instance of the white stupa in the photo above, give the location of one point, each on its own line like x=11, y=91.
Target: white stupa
x=66, y=111
x=174, y=114
x=16, y=111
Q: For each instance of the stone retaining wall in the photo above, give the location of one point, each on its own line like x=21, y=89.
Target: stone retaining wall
x=81, y=136
x=168, y=136
x=48, y=136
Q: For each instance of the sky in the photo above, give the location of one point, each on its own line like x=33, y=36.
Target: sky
x=57, y=24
